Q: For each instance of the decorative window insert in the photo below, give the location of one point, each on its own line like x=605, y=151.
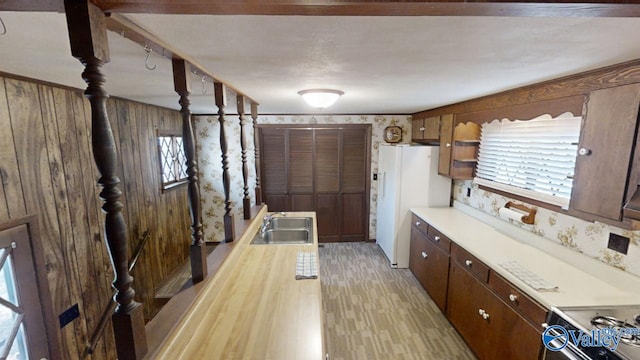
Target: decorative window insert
x=173, y=162
x=534, y=158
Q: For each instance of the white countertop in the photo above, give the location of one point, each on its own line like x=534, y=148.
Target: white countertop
x=582, y=281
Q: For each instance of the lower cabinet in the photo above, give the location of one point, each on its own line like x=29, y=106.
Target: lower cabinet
x=496, y=319
x=489, y=326
x=430, y=265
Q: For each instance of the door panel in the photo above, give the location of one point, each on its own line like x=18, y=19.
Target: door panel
x=352, y=215
x=277, y=202
x=302, y=202
x=354, y=153
x=327, y=164
x=327, y=214
x=274, y=167
x=300, y=161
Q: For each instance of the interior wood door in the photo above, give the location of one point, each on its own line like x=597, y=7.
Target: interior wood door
x=323, y=169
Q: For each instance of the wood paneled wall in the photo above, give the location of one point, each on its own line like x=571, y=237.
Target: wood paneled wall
x=553, y=91
x=47, y=170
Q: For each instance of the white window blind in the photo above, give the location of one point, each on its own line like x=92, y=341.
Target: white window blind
x=534, y=158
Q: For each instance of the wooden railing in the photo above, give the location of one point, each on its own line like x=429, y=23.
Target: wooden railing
x=111, y=306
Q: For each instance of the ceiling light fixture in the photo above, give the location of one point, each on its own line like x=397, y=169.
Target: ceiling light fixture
x=320, y=98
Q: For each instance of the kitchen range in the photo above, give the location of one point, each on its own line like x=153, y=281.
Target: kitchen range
x=611, y=333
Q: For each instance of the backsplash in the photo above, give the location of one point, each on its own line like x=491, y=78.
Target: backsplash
x=588, y=238
x=210, y=160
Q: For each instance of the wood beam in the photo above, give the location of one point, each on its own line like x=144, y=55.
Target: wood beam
x=88, y=38
x=128, y=29
x=246, y=201
x=198, y=253
x=220, y=93
x=567, y=8
x=256, y=150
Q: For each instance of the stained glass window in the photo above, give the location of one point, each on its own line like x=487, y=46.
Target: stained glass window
x=173, y=162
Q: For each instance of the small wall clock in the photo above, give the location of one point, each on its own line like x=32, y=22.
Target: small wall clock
x=393, y=134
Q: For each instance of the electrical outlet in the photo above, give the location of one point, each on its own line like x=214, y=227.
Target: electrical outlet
x=375, y=177
x=618, y=243
x=69, y=315
x=468, y=192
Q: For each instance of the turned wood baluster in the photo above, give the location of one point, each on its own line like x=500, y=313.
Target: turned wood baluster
x=256, y=150
x=220, y=91
x=88, y=38
x=246, y=201
x=198, y=253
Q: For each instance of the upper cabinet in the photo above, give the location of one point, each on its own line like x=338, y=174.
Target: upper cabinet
x=425, y=130
x=605, y=177
x=458, y=148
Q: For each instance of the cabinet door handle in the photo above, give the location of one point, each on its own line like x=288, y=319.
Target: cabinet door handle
x=417, y=223
x=513, y=298
x=422, y=129
x=424, y=255
x=436, y=238
x=448, y=145
x=483, y=313
x=468, y=262
x=584, y=152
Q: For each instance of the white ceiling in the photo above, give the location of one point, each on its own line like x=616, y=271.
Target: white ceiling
x=383, y=64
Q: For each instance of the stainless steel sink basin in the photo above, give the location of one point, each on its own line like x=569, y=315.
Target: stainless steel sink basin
x=292, y=223
x=285, y=230
x=284, y=236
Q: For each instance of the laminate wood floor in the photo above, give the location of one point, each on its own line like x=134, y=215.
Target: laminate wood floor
x=375, y=312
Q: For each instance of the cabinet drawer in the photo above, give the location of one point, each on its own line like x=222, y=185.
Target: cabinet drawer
x=420, y=224
x=439, y=239
x=470, y=262
x=527, y=307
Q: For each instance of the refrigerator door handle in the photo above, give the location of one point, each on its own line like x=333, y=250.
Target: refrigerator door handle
x=384, y=184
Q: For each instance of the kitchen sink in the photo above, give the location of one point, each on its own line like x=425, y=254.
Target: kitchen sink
x=285, y=230
x=292, y=223
x=283, y=236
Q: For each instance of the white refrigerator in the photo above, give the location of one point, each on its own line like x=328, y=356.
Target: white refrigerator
x=407, y=178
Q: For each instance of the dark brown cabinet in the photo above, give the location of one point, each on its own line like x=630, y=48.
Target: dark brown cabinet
x=492, y=328
x=429, y=263
x=425, y=130
x=495, y=318
x=606, y=153
x=319, y=168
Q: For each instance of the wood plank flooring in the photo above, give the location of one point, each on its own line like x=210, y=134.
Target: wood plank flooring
x=375, y=312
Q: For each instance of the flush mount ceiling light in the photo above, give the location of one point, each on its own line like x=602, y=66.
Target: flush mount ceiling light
x=320, y=98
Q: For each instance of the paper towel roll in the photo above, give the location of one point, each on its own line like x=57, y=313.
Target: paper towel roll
x=507, y=213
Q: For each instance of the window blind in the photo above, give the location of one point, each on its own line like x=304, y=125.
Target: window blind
x=534, y=158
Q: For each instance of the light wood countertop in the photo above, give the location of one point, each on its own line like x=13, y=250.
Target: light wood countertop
x=253, y=308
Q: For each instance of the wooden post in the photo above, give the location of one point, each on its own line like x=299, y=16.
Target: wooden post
x=256, y=147
x=198, y=253
x=220, y=91
x=246, y=201
x=88, y=38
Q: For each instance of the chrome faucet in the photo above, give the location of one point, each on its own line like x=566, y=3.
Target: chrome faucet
x=266, y=221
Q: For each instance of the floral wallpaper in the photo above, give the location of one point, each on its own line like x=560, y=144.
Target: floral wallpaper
x=589, y=238
x=207, y=129
x=210, y=160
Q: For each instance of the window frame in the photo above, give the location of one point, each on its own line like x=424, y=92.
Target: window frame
x=174, y=184
x=531, y=195
x=32, y=247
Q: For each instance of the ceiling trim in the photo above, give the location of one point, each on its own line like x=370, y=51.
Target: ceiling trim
x=518, y=8
x=523, y=8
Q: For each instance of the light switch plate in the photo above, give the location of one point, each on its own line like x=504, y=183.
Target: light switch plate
x=618, y=243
